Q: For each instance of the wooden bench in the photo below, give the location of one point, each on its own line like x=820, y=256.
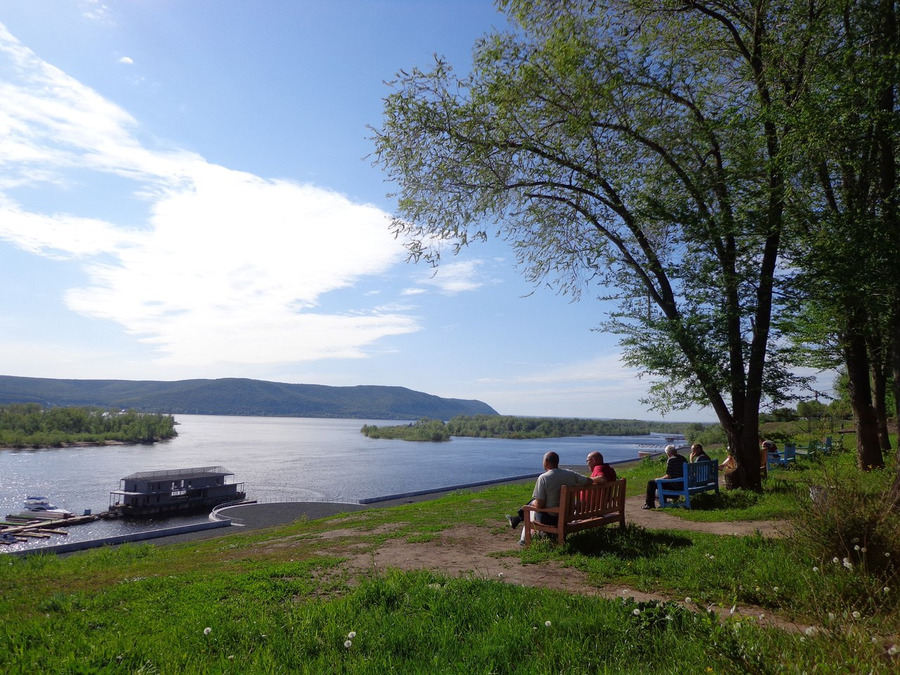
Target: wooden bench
x=581, y=507
x=787, y=455
x=698, y=477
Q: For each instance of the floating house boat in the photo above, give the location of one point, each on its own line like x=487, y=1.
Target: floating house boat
x=151, y=493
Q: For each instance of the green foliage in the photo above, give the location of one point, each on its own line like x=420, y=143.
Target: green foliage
x=505, y=426
x=30, y=425
x=421, y=430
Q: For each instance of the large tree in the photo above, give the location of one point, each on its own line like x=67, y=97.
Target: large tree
x=849, y=286
x=635, y=145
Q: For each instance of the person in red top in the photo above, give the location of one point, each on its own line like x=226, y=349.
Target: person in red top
x=601, y=472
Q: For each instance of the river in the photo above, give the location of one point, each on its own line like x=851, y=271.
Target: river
x=282, y=459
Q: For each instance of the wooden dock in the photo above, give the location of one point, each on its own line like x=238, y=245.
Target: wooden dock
x=23, y=526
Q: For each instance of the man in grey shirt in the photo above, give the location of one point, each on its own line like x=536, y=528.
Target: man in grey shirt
x=546, y=491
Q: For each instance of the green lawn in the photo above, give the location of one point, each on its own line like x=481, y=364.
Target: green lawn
x=281, y=600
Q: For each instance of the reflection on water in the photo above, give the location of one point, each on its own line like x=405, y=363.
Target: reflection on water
x=281, y=459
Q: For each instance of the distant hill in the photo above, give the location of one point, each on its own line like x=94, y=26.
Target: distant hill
x=233, y=396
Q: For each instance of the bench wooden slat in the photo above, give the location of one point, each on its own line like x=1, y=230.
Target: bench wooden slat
x=581, y=507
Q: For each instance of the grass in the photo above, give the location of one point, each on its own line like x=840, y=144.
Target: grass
x=282, y=600
x=780, y=500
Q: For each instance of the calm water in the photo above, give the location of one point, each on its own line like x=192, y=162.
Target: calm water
x=282, y=459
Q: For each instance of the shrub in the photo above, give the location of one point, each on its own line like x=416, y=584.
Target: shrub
x=852, y=530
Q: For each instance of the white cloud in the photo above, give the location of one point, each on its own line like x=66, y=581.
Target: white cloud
x=227, y=267
x=457, y=277
x=127, y=60
x=606, y=370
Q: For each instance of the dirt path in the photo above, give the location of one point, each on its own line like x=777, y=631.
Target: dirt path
x=478, y=551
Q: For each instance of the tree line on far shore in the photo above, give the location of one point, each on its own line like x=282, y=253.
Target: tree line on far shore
x=29, y=425
x=507, y=426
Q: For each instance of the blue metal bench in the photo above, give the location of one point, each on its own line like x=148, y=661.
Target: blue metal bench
x=698, y=477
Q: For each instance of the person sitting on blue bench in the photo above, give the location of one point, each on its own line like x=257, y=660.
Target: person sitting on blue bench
x=698, y=454
x=674, y=469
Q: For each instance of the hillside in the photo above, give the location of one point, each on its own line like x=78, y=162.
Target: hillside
x=232, y=396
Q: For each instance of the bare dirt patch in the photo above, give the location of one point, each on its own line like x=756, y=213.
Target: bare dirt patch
x=483, y=553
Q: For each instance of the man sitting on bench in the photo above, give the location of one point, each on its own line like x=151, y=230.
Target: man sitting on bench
x=674, y=469
x=546, y=491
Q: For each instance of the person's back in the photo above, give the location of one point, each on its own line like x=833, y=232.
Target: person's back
x=607, y=472
x=549, y=484
x=675, y=466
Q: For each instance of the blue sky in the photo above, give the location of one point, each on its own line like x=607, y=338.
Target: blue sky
x=184, y=193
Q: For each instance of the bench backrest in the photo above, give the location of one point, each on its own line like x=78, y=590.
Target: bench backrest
x=790, y=452
x=580, y=502
x=701, y=473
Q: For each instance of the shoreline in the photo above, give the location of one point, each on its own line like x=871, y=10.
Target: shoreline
x=273, y=514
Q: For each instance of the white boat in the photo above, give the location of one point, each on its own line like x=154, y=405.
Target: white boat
x=42, y=505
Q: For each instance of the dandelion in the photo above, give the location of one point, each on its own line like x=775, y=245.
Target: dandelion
x=856, y=548
x=835, y=560
x=815, y=569
x=636, y=612
x=856, y=615
x=548, y=624
x=351, y=634
x=348, y=644
x=887, y=589
x=775, y=590
x=812, y=630
x=500, y=575
x=207, y=630
x=669, y=617
x=862, y=550
x=887, y=554
x=831, y=616
x=848, y=564
x=687, y=599
x=893, y=650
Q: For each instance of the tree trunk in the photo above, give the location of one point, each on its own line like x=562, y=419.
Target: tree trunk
x=868, y=447
x=879, y=384
x=895, y=363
